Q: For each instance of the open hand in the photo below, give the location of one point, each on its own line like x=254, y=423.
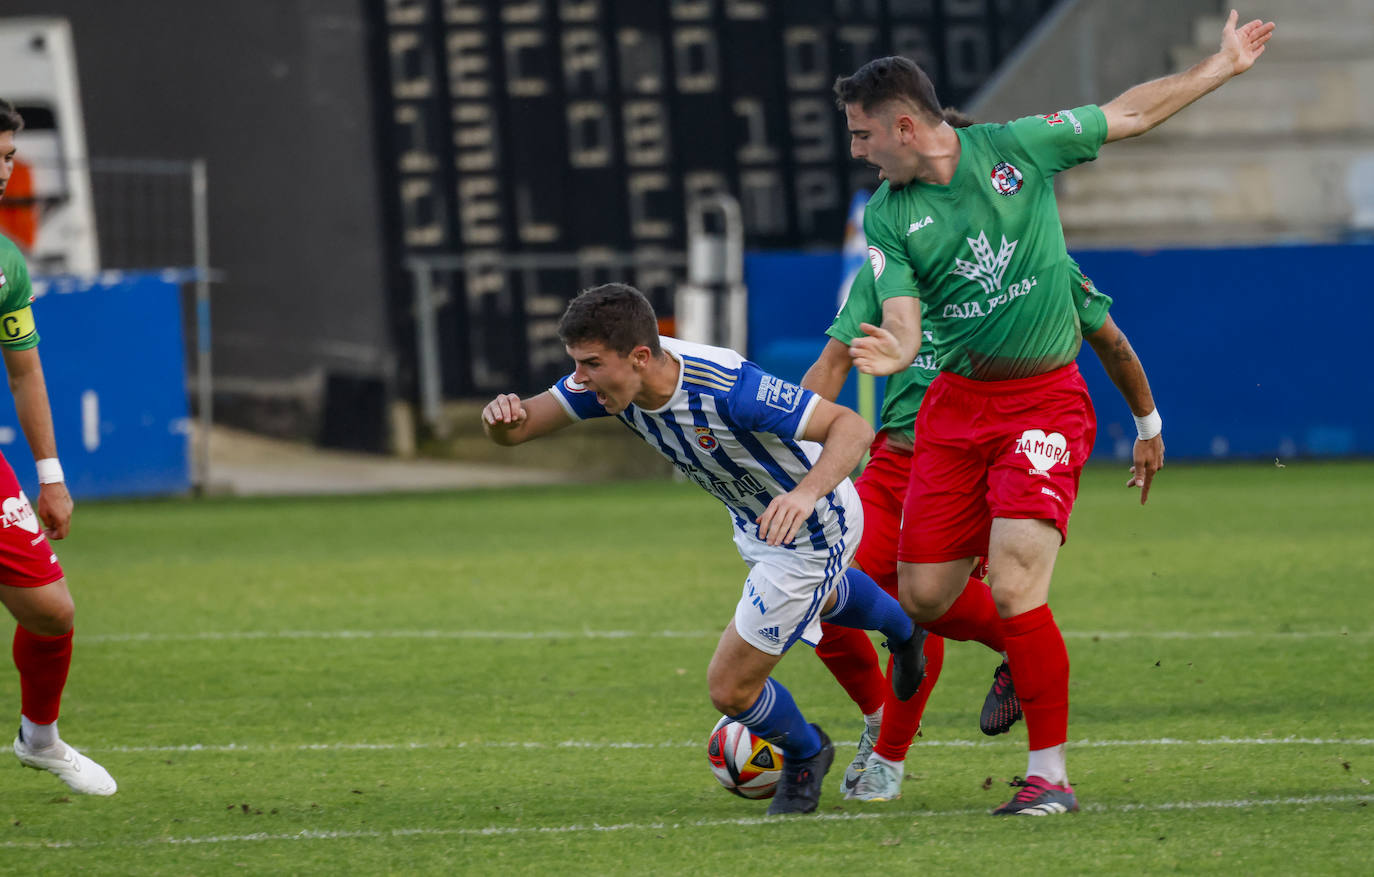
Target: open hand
x=877, y=351
x=785, y=515
x=1243, y=45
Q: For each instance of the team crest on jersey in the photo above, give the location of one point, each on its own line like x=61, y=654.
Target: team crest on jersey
x=705, y=440
x=779, y=394
x=1044, y=451
x=877, y=260
x=1006, y=179
x=573, y=386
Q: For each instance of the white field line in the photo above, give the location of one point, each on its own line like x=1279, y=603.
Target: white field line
x=505, y=831
x=232, y=635
x=692, y=744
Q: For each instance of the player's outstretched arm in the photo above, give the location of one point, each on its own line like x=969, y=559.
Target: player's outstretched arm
x=1126, y=371
x=844, y=436
x=30, y=392
x=510, y=420
x=827, y=374
x=1145, y=106
x=891, y=347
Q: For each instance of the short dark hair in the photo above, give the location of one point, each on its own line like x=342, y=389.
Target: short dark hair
x=10, y=120
x=957, y=118
x=888, y=79
x=614, y=314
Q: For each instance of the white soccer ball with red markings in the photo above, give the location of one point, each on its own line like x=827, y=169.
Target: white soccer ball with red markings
x=744, y=762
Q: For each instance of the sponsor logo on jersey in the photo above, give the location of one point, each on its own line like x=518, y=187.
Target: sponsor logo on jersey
x=877, y=260
x=16, y=512
x=757, y=600
x=1043, y=451
x=1060, y=117
x=1006, y=179
x=728, y=491
x=989, y=267
x=573, y=386
x=779, y=394
x=917, y=226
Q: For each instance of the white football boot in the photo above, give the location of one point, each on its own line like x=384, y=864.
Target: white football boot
x=880, y=781
x=76, y=770
x=856, y=767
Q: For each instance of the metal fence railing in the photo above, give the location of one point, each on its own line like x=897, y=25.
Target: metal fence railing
x=130, y=215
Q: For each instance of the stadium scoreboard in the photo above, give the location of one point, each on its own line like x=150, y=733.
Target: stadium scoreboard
x=585, y=127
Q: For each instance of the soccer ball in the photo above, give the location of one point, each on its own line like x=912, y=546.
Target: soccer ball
x=744, y=762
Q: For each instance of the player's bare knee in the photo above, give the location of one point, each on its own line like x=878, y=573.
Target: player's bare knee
x=732, y=698
x=922, y=604
x=57, y=618
x=1017, y=590
x=50, y=621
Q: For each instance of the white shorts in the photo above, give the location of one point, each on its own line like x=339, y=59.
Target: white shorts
x=786, y=589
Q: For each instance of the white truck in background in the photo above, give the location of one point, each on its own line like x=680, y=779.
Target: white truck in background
x=40, y=80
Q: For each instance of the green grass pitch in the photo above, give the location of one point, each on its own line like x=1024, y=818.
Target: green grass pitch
x=513, y=682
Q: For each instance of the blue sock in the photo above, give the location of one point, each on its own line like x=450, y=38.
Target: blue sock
x=776, y=718
x=859, y=602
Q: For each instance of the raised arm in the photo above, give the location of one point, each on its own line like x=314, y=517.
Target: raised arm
x=844, y=436
x=1124, y=368
x=1145, y=106
x=891, y=347
x=510, y=420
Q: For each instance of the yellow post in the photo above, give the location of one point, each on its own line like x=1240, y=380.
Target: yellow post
x=868, y=405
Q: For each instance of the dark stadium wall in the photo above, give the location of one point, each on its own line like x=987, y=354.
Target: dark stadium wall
x=274, y=94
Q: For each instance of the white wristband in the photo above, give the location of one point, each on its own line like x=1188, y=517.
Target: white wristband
x=1149, y=426
x=50, y=471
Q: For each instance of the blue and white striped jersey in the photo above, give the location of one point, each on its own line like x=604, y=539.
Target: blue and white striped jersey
x=733, y=429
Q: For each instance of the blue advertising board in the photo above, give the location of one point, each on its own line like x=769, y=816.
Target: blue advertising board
x=115, y=363
x=1251, y=352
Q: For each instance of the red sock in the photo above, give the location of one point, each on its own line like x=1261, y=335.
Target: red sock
x=1040, y=671
x=848, y=654
x=43, y=662
x=972, y=617
x=902, y=719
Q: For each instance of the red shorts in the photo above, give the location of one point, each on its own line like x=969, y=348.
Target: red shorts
x=26, y=558
x=882, y=488
x=994, y=449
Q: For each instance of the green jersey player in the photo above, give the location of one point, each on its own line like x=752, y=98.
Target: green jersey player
x=32, y=585
x=965, y=230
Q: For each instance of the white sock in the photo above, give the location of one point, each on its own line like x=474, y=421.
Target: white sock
x=874, y=721
x=895, y=765
x=1048, y=764
x=37, y=736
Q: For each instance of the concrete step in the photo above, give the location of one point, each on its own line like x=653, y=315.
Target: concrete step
x=1281, y=186
x=1330, y=22
x=1184, y=56
x=1285, y=96
x=1282, y=11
